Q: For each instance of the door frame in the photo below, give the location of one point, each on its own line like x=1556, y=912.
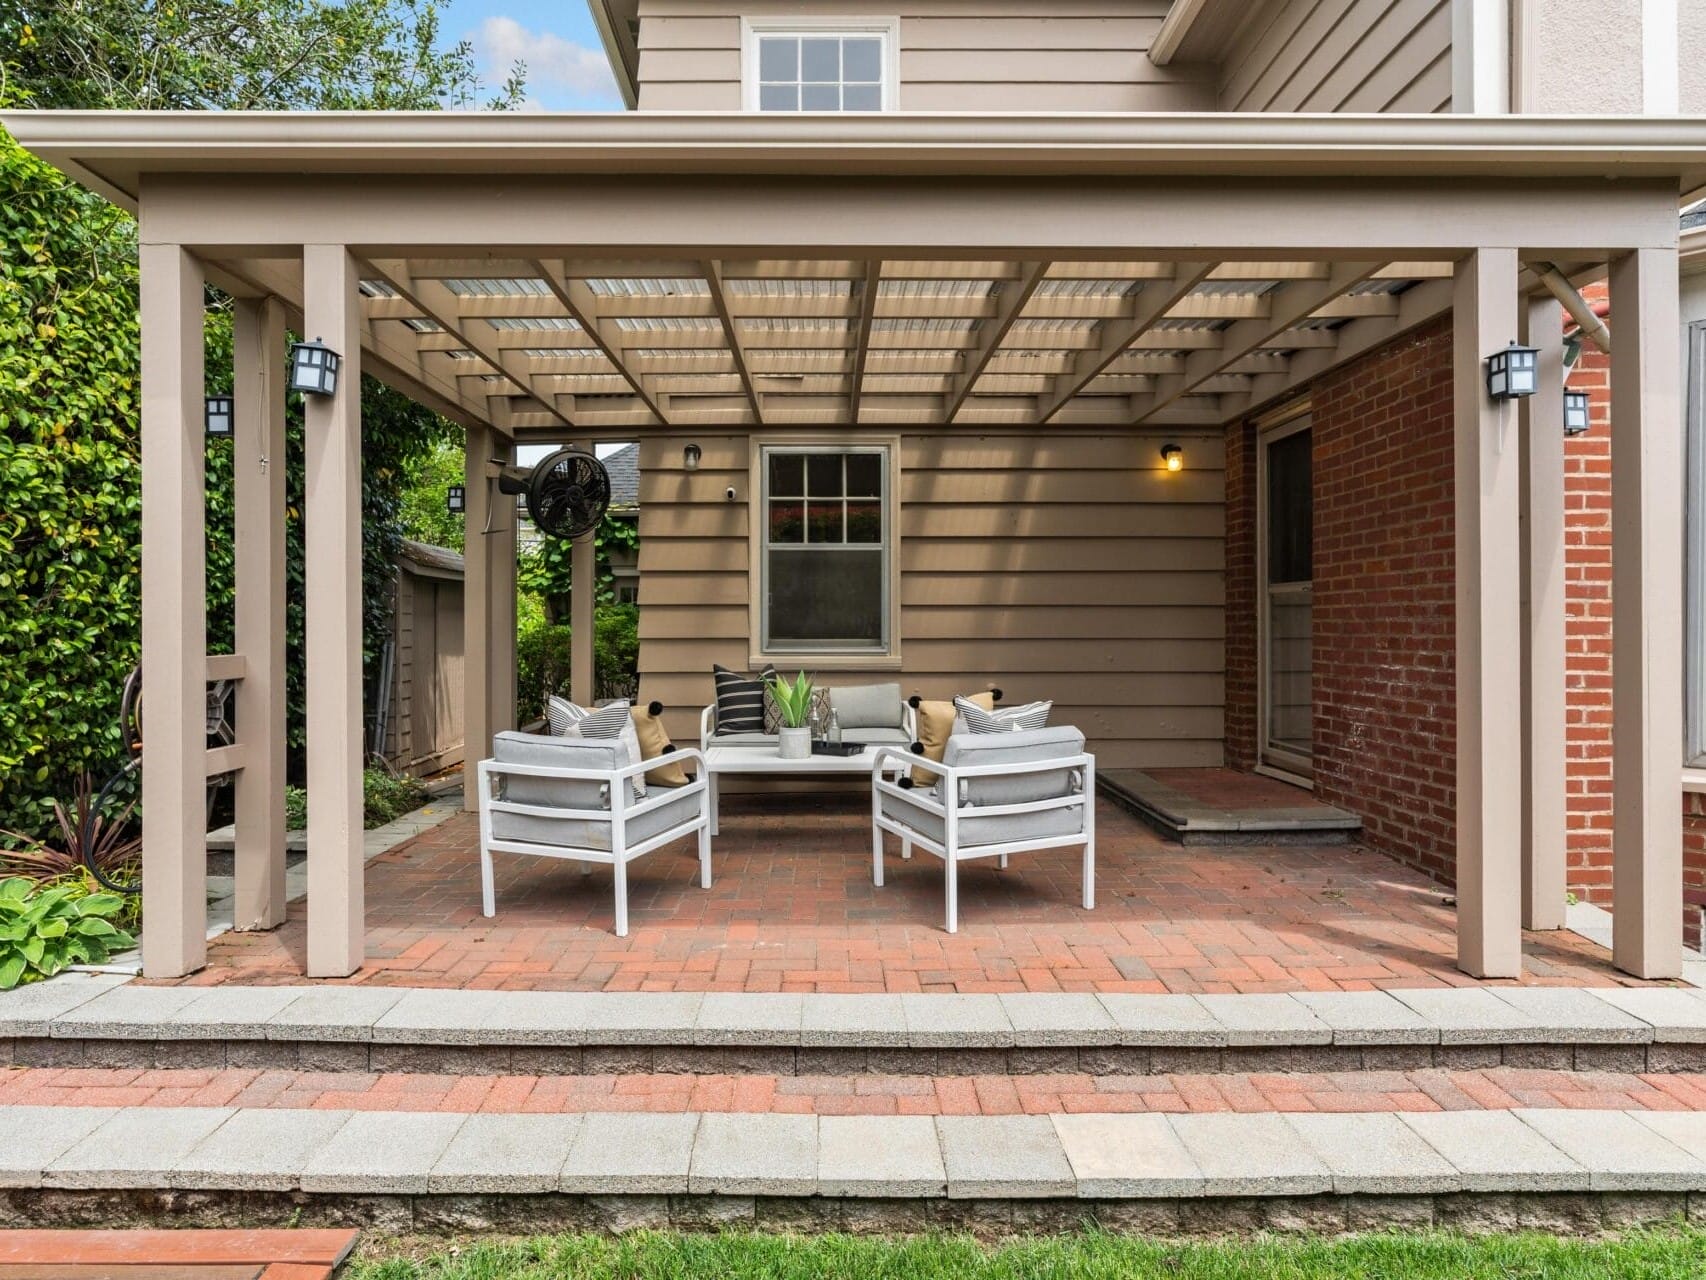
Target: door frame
x=1289, y=767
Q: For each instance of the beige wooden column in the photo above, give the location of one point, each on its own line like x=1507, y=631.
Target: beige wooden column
x=1543, y=768
x=1646, y=618
x=476, y=610
x=1489, y=626
x=332, y=548
x=174, y=614
x=583, y=598
x=258, y=466
x=500, y=577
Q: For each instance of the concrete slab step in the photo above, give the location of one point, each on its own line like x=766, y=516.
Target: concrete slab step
x=1190, y=820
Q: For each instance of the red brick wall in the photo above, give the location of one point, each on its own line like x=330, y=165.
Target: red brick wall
x=1384, y=607
x=1693, y=866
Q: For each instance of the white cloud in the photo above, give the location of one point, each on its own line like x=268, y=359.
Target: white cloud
x=556, y=67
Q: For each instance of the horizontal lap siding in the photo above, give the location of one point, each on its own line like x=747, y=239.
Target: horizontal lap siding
x=1070, y=568
x=955, y=55
x=1342, y=55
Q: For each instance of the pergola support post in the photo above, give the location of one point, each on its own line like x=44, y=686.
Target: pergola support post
x=258, y=469
x=477, y=722
x=174, y=613
x=1646, y=618
x=583, y=596
x=1489, y=645
x=499, y=547
x=332, y=550
x=1543, y=767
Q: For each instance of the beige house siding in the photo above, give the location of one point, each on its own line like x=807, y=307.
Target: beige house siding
x=1341, y=55
x=955, y=55
x=1071, y=568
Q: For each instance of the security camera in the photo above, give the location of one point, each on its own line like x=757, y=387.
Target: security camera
x=729, y=493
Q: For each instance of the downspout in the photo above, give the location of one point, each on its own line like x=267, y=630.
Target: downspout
x=1560, y=288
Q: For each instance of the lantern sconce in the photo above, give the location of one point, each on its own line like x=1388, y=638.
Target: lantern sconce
x=1575, y=413
x=217, y=414
x=314, y=368
x=690, y=455
x=1173, y=457
x=456, y=500
x=1513, y=374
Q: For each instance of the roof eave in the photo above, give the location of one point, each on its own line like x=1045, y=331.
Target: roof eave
x=623, y=57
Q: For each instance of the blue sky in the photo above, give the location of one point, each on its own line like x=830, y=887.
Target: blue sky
x=566, y=66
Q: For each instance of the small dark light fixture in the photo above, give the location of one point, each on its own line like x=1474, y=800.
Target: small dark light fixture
x=690, y=455
x=1173, y=457
x=1575, y=413
x=218, y=413
x=314, y=368
x=1513, y=373
x=456, y=499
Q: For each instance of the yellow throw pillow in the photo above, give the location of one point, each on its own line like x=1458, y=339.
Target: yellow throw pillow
x=655, y=744
x=935, y=723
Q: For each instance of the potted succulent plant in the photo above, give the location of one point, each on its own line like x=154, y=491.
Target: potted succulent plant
x=793, y=700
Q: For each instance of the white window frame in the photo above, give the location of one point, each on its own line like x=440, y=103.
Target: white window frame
x=1694, y=558
x=825, y=656
x=753, y=29
x=1278, y=762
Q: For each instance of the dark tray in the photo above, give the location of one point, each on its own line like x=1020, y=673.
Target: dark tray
x=836, y=748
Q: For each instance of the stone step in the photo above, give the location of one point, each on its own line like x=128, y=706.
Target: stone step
x=424, y=1170
x=1190, y=821
x=99, y=1020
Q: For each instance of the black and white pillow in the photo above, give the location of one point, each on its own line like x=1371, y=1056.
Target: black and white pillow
x=614, y=720
x=740, y=699
x=1033, y=715
x=563, y=715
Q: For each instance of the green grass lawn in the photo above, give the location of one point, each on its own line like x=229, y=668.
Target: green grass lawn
x=1656, y=1255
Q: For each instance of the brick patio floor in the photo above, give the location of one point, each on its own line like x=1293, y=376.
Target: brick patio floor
x=1430, y=1089
x=793, y=909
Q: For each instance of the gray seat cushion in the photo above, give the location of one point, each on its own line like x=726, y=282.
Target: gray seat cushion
x=868, y=706
x=1030, y=746
x=1067, y=820
x=877, y=737
x=572, y=793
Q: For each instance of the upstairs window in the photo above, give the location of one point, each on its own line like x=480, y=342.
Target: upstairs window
x=790, y=66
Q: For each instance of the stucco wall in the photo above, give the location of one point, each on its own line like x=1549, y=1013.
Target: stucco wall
x=1584, y=56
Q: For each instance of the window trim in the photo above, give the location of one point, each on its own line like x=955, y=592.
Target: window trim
x=752, y=29
x=888, y=655
x=1694, y=551
x=1281, y=762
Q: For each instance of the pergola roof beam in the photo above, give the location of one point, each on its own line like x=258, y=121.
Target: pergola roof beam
x=719, y=298
x=585, y=307
x=992, y=333
x=862, y=338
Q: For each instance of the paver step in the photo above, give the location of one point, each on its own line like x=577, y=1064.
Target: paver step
x=173, y=1255
x=103, y=1021
x=1500, y=1088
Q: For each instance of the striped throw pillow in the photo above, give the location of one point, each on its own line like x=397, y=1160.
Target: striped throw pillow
x=740, y=699
x=1033, y=715
x=614, y=720
x=563, y=715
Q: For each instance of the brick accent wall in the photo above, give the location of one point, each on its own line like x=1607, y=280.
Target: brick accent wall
x=1693, y=866
x=1241, y=596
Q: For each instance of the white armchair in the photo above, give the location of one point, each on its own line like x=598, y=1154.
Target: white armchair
x=573, y=799
x=995, y=795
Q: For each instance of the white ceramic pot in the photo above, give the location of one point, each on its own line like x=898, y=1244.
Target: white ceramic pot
x=795, y=744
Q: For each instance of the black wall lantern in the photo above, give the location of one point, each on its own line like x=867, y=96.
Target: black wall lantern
x=456, y=500
x=314, y=368
x=690, y=455
x=1513, y=373
x=217, y=414
x=1575, y=413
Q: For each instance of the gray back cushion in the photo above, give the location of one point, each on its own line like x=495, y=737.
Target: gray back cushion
x=869, y=706
x=559, y=753
x=1028, y=746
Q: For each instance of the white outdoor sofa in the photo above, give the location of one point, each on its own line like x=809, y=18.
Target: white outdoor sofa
x=995, y=795
x=572, y=798
x=859, y=708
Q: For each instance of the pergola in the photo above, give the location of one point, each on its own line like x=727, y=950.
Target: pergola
x=543, y=278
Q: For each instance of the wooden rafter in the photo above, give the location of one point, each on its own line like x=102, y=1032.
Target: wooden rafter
x=583, y=305
x=862, y=338
x=719, y=299
x=439, y=304
x=991, y=333
x=1114, y=337
x=1287, y=305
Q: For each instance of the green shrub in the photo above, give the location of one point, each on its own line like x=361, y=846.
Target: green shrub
x=295, y=808
x=44, y=928
x=386, y=797
x=542, y=657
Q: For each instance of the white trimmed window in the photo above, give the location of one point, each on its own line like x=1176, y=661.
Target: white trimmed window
x=826, y=554
x=829, y=65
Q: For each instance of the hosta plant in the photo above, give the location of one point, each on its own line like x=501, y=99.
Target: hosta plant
x=43, y=928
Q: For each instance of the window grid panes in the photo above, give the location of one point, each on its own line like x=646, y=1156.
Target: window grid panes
x=820, y=72
x=825, y=550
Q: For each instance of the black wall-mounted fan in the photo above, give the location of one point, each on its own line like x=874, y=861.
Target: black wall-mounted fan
x=567, y=492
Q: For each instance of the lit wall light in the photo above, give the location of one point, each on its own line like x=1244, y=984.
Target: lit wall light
x=1513, y=373
x=1173, y=457
x=1575, y=413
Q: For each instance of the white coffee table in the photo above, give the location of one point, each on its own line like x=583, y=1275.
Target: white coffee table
x=763, y=761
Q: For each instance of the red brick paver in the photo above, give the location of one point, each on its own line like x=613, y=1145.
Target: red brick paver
x=1430, y=1089
x=793, y=909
